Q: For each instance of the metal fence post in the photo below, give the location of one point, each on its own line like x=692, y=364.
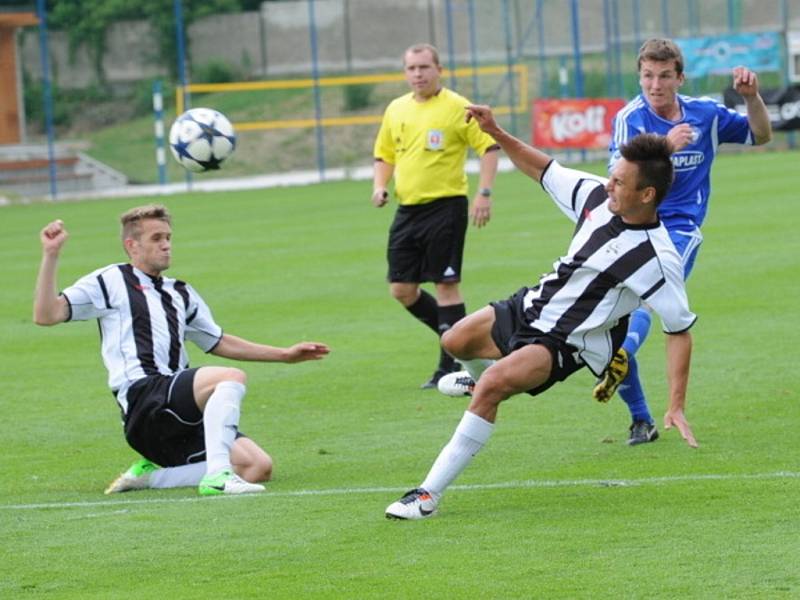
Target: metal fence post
x=312, y=30
x=158, y=113
x=181, y=46
x=44, y=51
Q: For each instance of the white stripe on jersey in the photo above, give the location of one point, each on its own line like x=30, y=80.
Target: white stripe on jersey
x=609, y=269
x=143, y=322
x=621, y=129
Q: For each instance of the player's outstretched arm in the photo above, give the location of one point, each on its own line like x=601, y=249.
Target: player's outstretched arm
x=526, y=158
x=236, y=348
x=48, y=307
x=745, y=82
x=679, y=354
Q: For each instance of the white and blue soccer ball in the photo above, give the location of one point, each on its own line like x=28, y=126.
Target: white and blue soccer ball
x=201, y=138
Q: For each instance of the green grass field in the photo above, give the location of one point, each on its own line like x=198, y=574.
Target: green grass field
x=556, y=505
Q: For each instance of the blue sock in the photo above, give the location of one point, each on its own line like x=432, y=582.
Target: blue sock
x=632, y=393
x=631, y=390
x=638, y=328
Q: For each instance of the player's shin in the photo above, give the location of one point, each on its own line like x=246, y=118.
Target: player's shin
x=220, y=423
x=470, y=436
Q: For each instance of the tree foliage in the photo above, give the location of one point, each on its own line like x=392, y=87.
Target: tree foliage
x=87, y=22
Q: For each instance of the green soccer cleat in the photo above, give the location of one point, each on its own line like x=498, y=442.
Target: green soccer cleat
x=227, y=482
x=613, y=376
x=137, y=477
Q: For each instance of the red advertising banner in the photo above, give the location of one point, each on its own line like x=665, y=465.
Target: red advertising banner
x=574, y=122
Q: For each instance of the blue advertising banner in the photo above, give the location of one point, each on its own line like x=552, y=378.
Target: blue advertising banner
x=719, y=54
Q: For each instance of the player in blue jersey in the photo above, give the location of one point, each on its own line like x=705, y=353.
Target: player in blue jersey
x=695, y=127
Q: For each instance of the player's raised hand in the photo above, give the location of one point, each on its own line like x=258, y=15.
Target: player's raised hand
x=53, y=236
x=483, y=117
x=680, y=136
x=676, y=418
x=303, y=351
x=745, y=82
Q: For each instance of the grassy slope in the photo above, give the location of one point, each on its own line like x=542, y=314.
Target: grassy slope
x=307, y=263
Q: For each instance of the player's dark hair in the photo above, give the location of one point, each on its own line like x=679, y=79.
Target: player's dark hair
x=660, y=50
x=417, y=48
x=652, y=154
x=131, y=220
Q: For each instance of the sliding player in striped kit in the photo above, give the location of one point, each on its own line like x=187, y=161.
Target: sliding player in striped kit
x=620, y=256
x=176, y=417
x=695, y=127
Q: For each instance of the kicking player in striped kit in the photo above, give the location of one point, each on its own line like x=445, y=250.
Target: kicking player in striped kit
x=577, y=316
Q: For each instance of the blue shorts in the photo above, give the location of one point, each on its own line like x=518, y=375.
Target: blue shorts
x=687, y=240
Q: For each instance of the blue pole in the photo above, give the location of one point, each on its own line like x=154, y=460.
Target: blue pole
x=637, y=25
x=543, y=83
x=609, y=59
x=731, y=21
x=312, y=32
x=616, y=45
x=451, y=57
x=44, y=51
x=158, y=114
x=576, y=48
x=694, y=22
x=510, y=67
x=473, y=51
x=694, y=17
x=576, y=45
x=180, y=41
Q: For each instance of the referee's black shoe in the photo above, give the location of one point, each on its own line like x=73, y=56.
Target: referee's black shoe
x=433, y=382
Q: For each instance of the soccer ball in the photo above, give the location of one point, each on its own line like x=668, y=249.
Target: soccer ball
x=201, y=138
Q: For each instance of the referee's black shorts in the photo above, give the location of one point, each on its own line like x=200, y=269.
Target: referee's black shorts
x=511, y=332
x=426, y=241
x=163, y=422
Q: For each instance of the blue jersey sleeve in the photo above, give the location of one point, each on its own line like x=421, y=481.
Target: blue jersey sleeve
x=733, y=127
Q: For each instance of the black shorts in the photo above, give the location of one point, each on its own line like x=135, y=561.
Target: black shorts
x=426, y=241
x=511, y=332
x=163, y=422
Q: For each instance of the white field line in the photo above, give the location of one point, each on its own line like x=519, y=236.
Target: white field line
x=533, y=483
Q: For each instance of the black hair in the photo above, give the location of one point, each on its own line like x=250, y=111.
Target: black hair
x=652, y=154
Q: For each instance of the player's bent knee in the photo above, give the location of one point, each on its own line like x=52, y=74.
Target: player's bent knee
x=450, y=341
x=405, y=294
x=492, y=388
x=259, y=468
x=234, y=374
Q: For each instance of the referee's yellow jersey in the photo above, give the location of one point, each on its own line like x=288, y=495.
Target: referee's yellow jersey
x=427, y=143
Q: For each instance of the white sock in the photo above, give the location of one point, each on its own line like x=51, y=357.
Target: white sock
x=470, y=436
x=183, y=476
x=220, y=420
x=477, y=366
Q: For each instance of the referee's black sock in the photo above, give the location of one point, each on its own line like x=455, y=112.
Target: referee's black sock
x=448, y=316
x=426, y=310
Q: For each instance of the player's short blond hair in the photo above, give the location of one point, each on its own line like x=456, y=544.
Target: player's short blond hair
x=417, y=48
x=660, y=50
x=131, y=220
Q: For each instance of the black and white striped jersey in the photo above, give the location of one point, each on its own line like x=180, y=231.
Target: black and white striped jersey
x=143, y=322
x=610, y=268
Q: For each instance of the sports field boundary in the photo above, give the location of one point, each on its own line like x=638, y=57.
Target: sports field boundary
x=525, y=484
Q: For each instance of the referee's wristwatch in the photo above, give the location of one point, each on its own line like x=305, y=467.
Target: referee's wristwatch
x=485, y=192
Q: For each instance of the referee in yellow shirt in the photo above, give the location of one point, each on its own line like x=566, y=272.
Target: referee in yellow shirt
x=423, y=142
